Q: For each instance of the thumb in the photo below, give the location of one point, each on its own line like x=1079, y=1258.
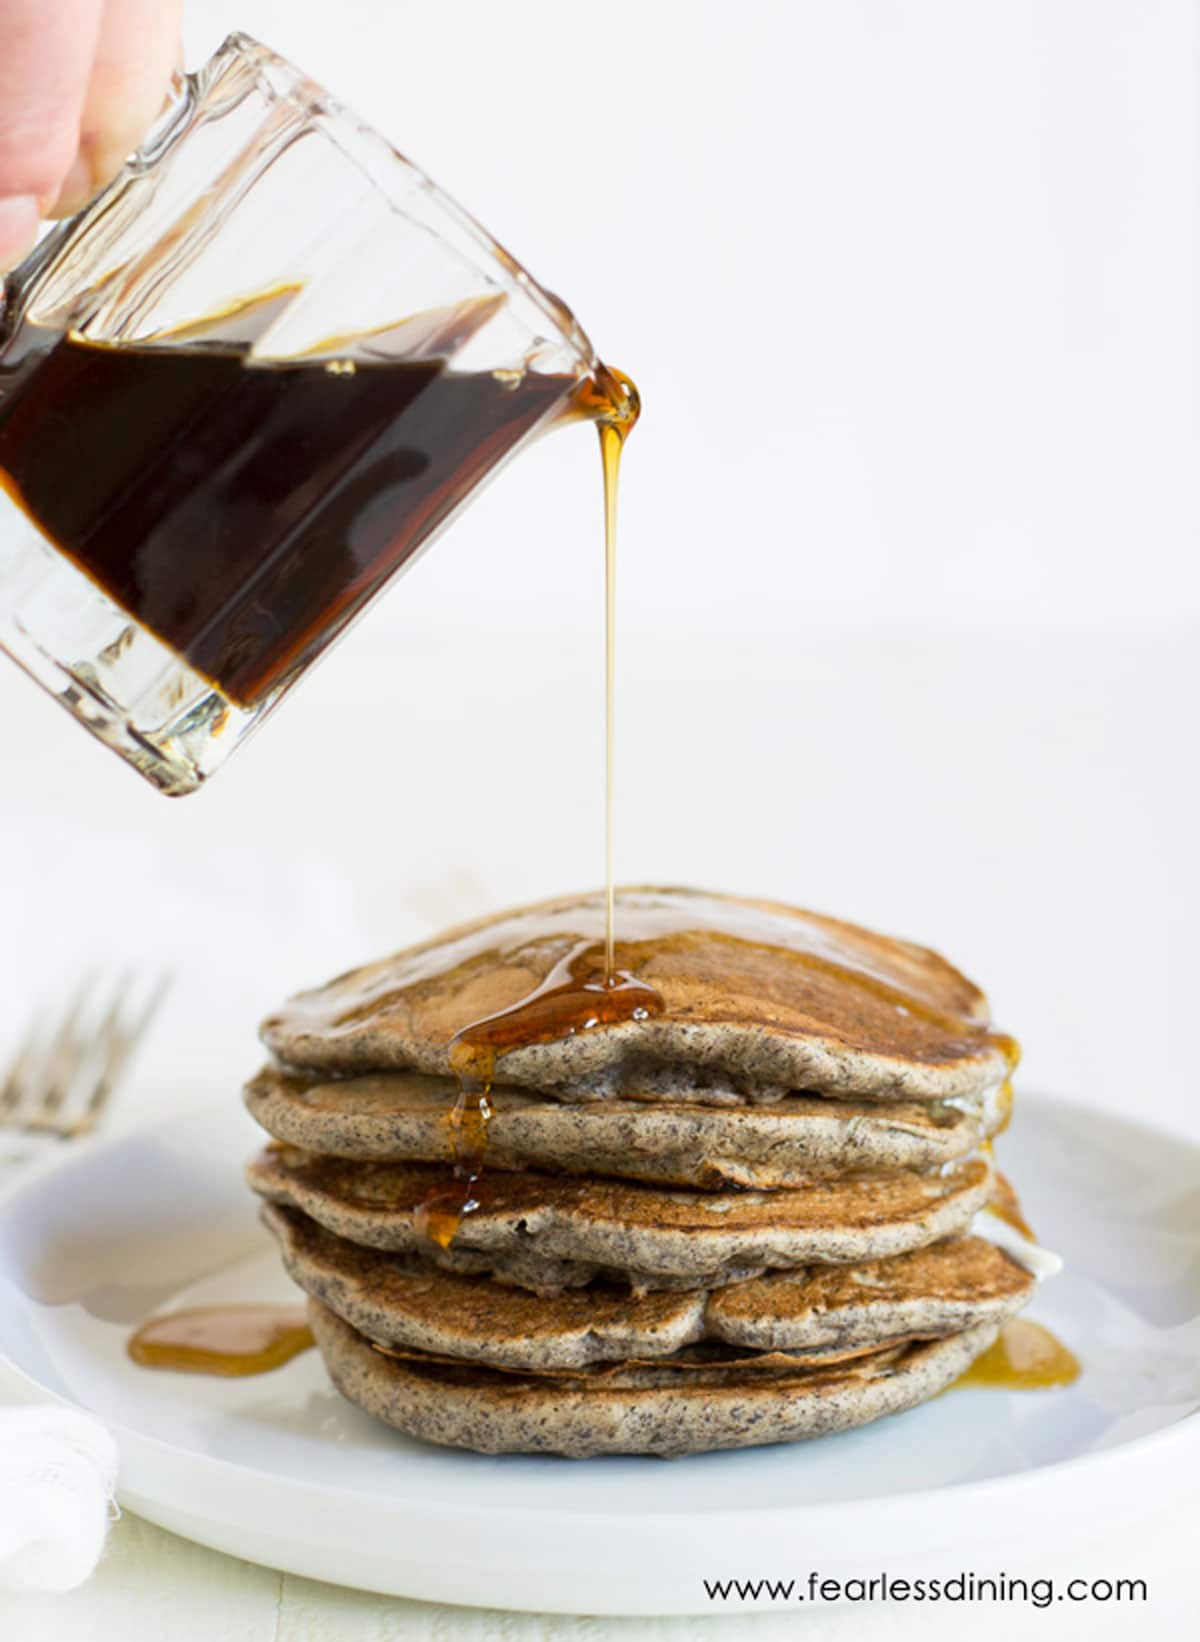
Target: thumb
x=137, y=50
x=46, y=51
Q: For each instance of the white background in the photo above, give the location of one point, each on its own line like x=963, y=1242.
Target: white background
x=909, y=591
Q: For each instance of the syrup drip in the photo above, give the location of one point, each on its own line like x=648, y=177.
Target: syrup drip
x=579, y=994
x=1024, y=1357
x=1004, y=1203
x=222, y=1340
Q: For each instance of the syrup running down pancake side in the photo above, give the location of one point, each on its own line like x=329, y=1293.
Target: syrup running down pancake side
x=683, y=962
x=580, y=994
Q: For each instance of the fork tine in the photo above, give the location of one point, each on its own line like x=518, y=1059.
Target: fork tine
x=61, y=1079
x=120, y=1045
x=65, y=1050
x=108, y=1029
x=95, y=1056
x=14, y=1090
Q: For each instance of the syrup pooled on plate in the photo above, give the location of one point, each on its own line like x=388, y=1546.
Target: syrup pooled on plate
x=222, y=1340
x=1024, y=1357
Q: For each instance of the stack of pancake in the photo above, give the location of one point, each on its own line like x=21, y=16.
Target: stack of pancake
x=729, y=1193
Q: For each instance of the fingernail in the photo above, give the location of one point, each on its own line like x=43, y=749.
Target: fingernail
x=19, y=218
x=78, y=186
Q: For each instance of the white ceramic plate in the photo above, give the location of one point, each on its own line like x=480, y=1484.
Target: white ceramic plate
x=281, y=1470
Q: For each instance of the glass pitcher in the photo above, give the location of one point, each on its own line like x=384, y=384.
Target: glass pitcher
x=238, y=393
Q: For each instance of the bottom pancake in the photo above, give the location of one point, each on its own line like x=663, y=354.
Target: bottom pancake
x=494, y=1412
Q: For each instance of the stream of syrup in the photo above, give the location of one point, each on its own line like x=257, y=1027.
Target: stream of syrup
x=585, y=990
x=612, y=401
x=612, y=442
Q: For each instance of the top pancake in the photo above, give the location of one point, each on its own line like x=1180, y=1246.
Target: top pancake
x=759, y=999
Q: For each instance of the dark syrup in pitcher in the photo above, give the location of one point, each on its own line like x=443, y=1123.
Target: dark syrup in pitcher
x=244, y=510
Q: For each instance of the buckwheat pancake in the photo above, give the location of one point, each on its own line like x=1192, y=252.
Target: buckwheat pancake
x=493, y=1412
x=544, y=1231
x=758, y=1000
x=405, y=1116
x=402, y=1301
x=707, y=1363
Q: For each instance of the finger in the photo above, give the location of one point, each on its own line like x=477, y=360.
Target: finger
x=46, y=49
x=19, y=219
x=137, y=50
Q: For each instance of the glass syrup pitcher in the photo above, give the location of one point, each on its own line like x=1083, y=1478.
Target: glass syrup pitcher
x=239, y=392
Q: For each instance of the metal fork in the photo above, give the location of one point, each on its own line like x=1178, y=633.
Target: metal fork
x=64, y=1073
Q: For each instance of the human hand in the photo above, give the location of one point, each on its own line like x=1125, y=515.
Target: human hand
x=80, y=83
